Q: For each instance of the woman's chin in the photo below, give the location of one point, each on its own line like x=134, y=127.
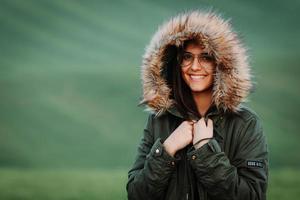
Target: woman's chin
x=198, y=89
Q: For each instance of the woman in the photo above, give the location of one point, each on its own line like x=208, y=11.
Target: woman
x=200, y=142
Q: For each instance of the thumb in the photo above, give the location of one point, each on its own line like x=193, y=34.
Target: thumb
x=209, y=123
x=202, y=121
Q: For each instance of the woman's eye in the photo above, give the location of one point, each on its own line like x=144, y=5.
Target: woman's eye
x=187, y=57
x=207, y=58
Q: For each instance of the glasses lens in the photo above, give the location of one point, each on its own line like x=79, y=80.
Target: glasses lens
x=187, y=59
x=205, y=57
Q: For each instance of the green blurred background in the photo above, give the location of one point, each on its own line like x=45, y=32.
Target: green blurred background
x=70, y=85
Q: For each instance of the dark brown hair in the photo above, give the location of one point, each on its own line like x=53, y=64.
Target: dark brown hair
x=180, y=92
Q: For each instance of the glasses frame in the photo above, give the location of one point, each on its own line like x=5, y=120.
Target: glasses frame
x=201, y=58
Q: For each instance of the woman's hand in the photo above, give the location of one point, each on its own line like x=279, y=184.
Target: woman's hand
x=201, y=131
x=179, y=138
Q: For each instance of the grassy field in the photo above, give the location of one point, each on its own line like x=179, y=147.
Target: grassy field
x=62, y=185
x=106, y=184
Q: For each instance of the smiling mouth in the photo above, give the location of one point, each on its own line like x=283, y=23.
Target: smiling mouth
x=197, y=77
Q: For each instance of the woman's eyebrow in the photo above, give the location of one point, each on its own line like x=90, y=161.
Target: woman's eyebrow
x=202, y=53
x=205, y=53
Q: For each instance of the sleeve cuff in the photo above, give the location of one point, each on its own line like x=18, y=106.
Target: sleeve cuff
x=158, y=152
x=211, y=147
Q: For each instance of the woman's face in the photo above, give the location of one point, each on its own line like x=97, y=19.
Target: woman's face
x=197, y=68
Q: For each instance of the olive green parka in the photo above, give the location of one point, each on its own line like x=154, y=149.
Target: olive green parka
x=232, y=165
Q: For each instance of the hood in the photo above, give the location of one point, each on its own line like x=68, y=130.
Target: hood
x=232, y=80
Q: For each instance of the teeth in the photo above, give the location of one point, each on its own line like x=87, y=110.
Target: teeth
x=197, y=77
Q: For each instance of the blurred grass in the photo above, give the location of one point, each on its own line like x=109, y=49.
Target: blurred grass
x=284, y=184
x=62, y=184
x=106, y=184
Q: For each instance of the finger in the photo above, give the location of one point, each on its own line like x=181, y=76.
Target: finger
x=193, y=122
x=193, y=130
x=210, y=123
x=190, y=126
x=186, y=122
x=190, y=122
x=207, y=122
x=203, y=121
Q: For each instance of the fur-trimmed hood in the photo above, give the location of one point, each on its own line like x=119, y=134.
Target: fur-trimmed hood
x=232, y=81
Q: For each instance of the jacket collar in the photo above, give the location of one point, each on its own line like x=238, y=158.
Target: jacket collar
x=213, y=113
x=213, y=110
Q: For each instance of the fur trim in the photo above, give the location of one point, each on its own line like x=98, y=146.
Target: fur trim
x=232, y=82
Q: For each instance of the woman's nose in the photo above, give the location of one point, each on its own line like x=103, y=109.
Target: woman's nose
x=196, y=65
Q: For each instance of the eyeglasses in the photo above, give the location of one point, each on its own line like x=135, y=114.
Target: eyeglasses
x=204, y=59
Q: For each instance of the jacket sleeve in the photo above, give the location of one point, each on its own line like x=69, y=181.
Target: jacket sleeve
x=245, y=176
x=149, y=176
